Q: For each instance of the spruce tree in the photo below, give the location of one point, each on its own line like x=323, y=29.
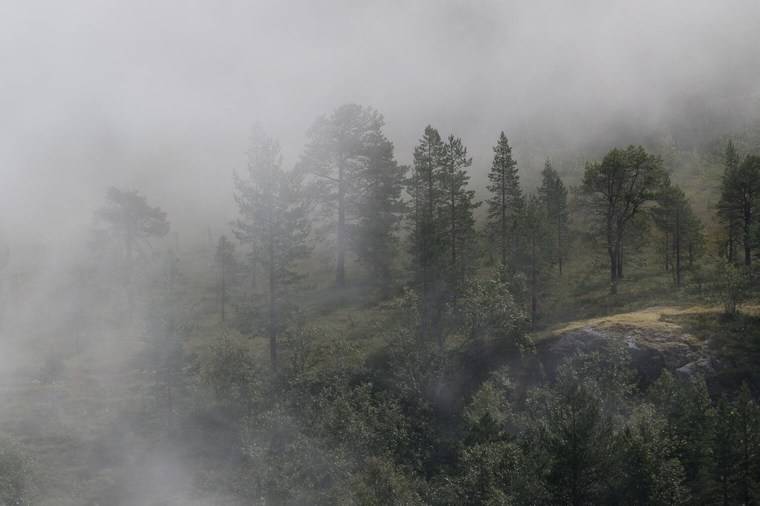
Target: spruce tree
x=426, y=235
x=728, y=213
x=554, y=197
x=506, y=204
x=740, y=197
x=537, y=240
x=456, y=214
x=680, y=226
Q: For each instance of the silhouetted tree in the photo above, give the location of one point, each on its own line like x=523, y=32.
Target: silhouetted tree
x=456, y=215
x=554, y=197
x=274, y=220
x=356, y=183
x=740, y=200
x=728, y=213
x=131, y=219
x=615, y=191
x=227, y=266
x=506, y=204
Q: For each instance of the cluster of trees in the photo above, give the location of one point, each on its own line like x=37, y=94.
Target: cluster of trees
x=418, y=421
x=386, y=433
x=348, y=188
x=739, y=206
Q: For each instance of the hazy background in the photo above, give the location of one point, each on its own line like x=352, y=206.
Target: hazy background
x=161, y=95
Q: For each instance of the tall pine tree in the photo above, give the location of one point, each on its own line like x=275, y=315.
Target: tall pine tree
x=356, y=182
x=728, y=213
x=506, y=204
x=274, y=220
x=553, y=194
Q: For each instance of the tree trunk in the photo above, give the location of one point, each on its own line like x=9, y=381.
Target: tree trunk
x=667, y=252
x=613, y=269
x=747, y=233
x=533, y=283
x=559, y=242
x=503, y=219
x=223, y=292
x=677, y=246
x=452, y=197
x=340, y=267
x=620, y=261
x=272, y=309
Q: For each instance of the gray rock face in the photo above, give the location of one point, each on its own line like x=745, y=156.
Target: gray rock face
x=651, y=351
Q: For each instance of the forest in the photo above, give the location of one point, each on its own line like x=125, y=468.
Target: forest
x=412, y=309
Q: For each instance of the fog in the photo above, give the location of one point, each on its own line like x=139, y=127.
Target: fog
x=162, y=97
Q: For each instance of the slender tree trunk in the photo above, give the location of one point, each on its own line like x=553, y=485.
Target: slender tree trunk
x=272, y=309
x=613, y=269
x=677, y=245
x=129, y=245
x=454, y=270
x=533, y=282
x=667, y=252
x=223, y=291
x=503, y=219
x=559, y=241
x=620, y=260
x=340, y=267
x=747, y=233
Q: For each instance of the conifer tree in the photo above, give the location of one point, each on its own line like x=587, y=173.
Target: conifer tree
x=226, y=264
x=740, y=201
x=506, y=204
x=356, y=183
x=728, y=213
x=457, y=215
x=538, y=245
x=554, y=197
x=273, y=218
x=680, y=226
x=427, y=248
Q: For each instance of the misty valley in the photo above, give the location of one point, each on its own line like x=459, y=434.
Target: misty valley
x=517, y=288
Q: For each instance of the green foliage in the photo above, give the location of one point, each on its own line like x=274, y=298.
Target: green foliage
x=553, y=195
x=356, y=182
x=488, y=310
x=15, y=468
x=234, y=374
x=506, y=204
x=731, y=284
x=650, y=473
x=615, y=191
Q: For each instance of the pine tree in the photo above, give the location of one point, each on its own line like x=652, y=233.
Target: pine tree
x=273, y=220
x=426, y=235
x=554, y=197
x=456, y=215
x=506, y=204
x=537, y=240
x=681, y=228
x=740, y=201
x=227, y=265
x=134, y=222
x=356, y=182
x=615, y=191
x=728, y=214
x=379, y=209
